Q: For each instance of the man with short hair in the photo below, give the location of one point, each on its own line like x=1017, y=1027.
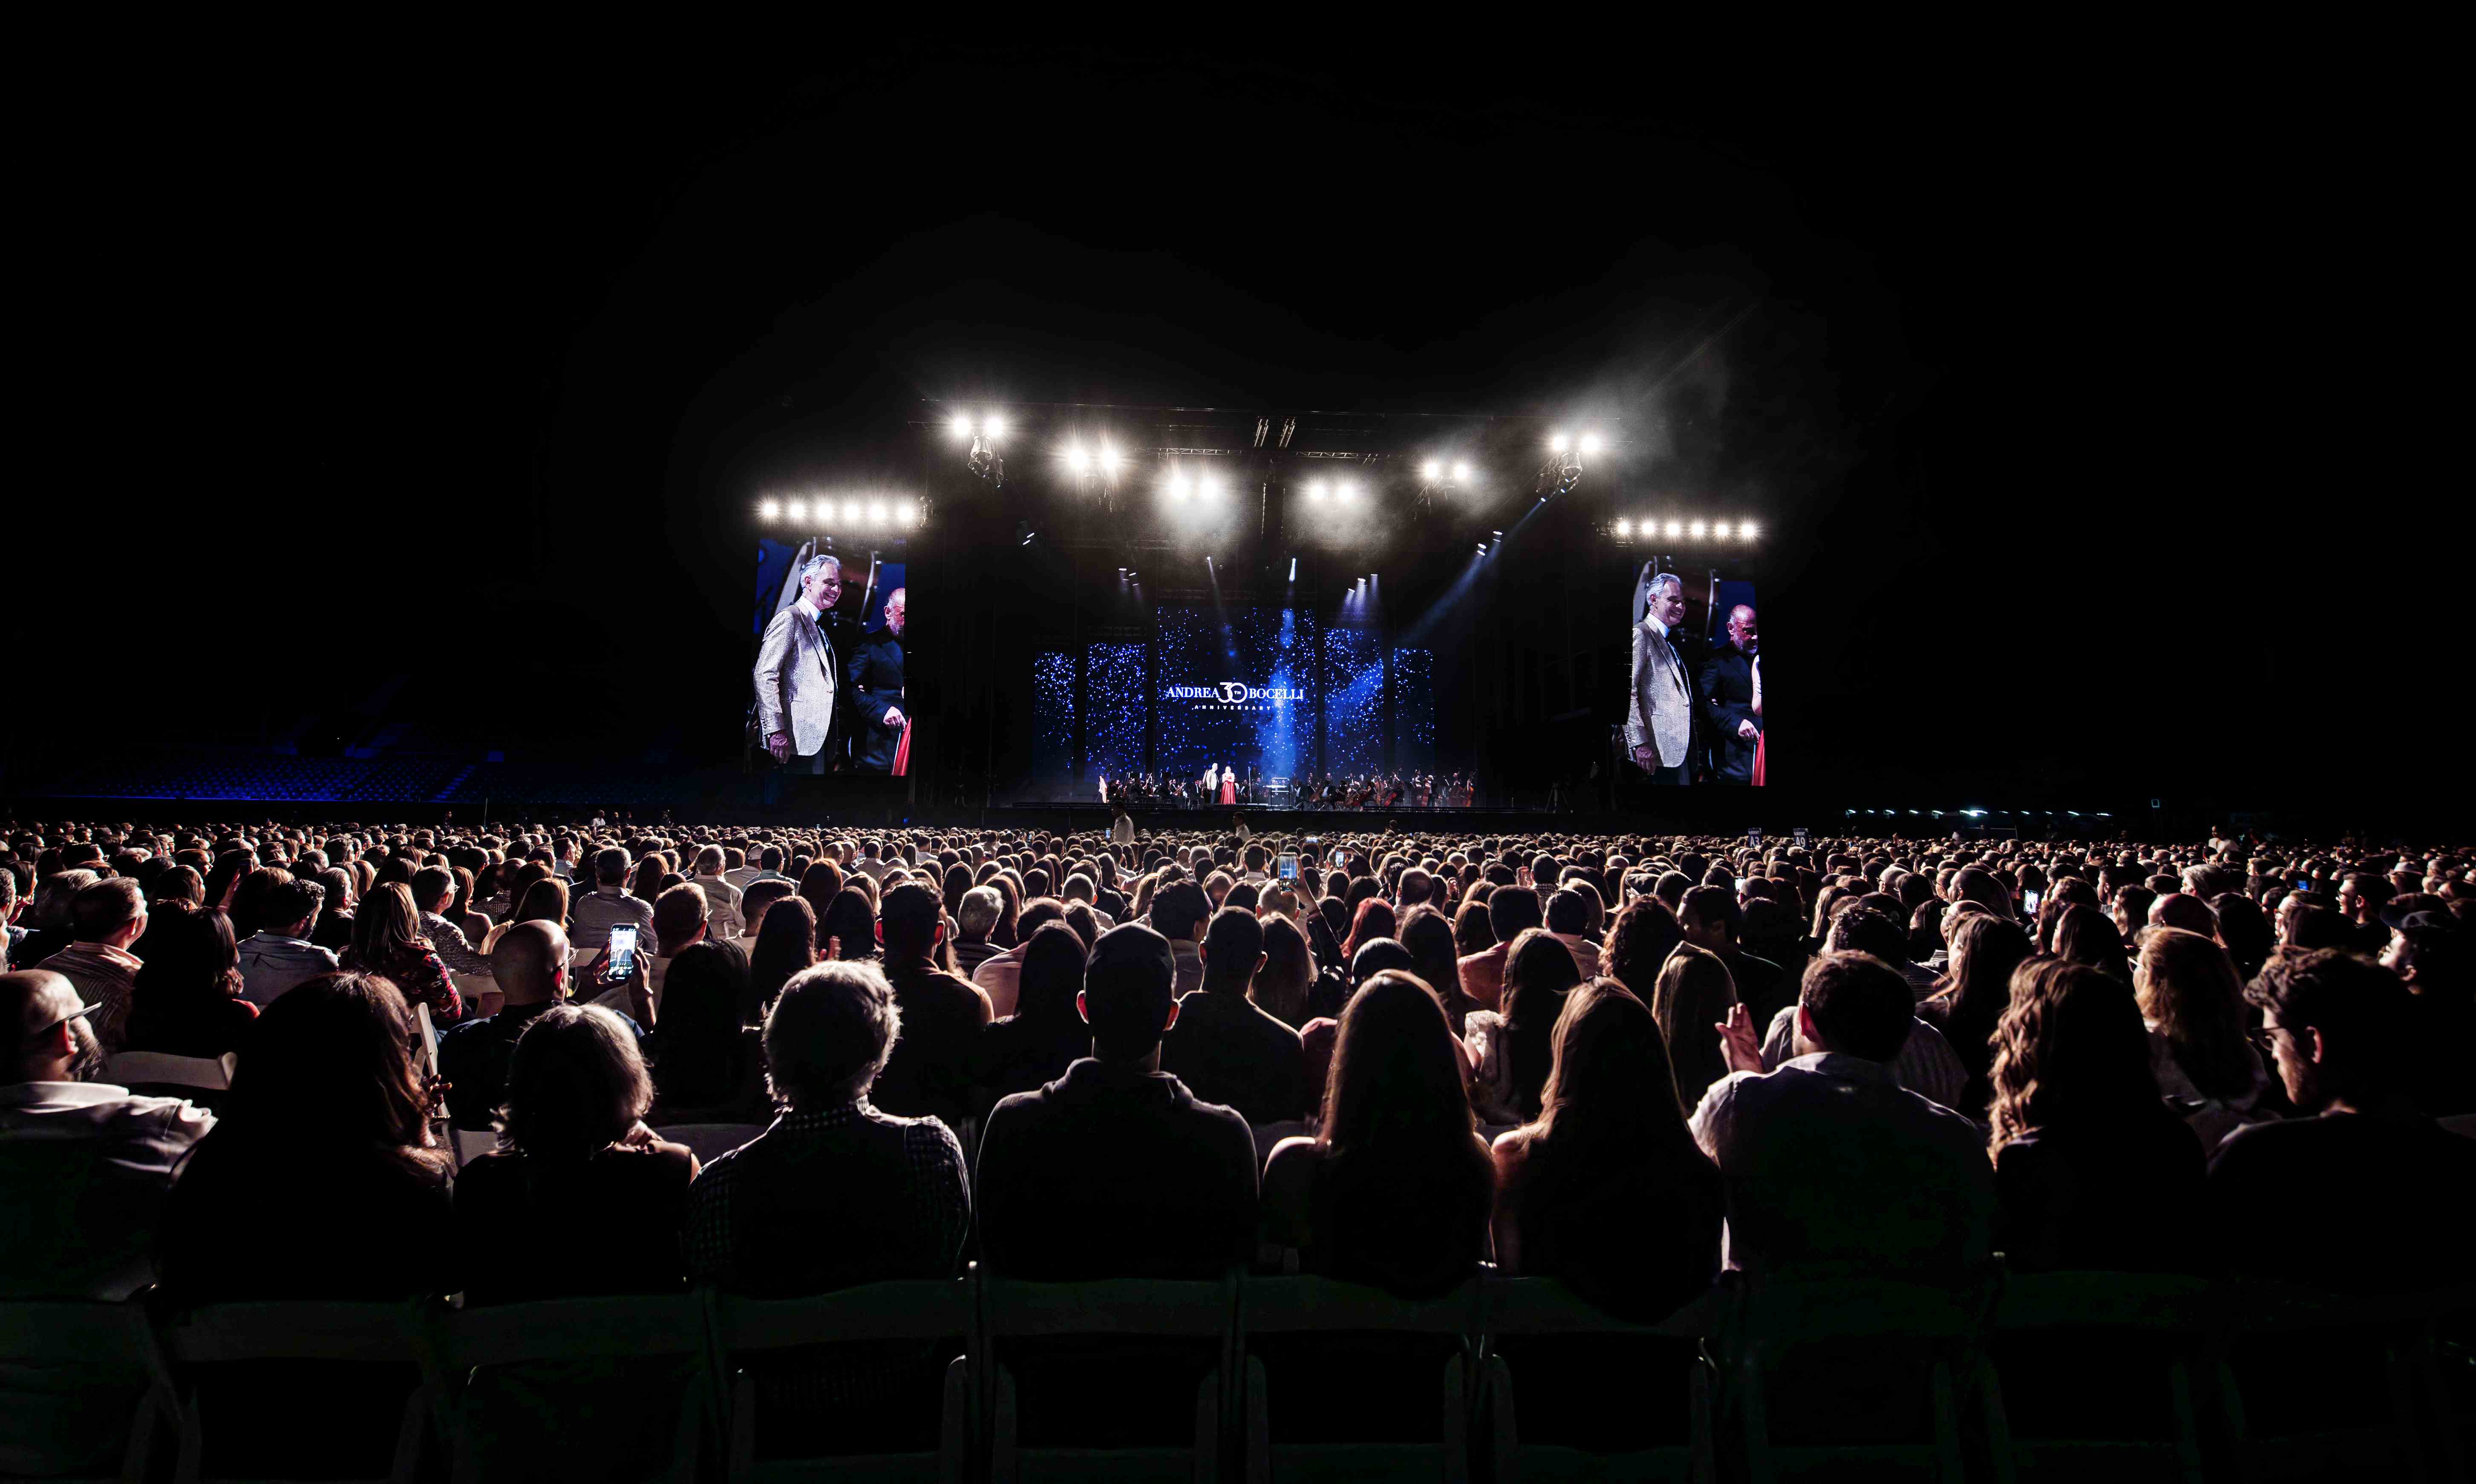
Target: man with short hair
x=723, y=920
x=797, y=675
x=1827, y=1160
x=280, y=954
x=975, y=917
x=1730, y=688
x=1177, y=914
x=83, y=1166
x=531, y=964
x=1659, y=721
x=1511, y=911
x=1115, y=1170
x=928, y=1075
x=1711, y=919
x=1224, y=1048
x=1569, y=920
x=105, y=919
x=610, y=904
x=2362, y=1193
x=678, y=924
x=433, y=887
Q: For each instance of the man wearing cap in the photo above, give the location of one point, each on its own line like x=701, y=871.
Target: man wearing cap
x=83, y=1166
x=1115, y=1170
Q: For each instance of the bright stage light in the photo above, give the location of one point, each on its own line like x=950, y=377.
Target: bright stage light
x=1208, y=485
x=914, y=512
x=1431, y=471
x=798, y=508
x=851, y=511
x=768, y=510
x=992, y=427
x=1744, y=530
x=1625, y=530
x=961, y=426
x=1557, y=443
x=1461, y=473
x=1676, y=528
x=1697, y=531
x=1108, y=458
x=1347, y=489
x=876, y=512
x=1077, y=459
x=1177, y=486
x=1590, y=444
x=1315, y=489
x=1720, y=531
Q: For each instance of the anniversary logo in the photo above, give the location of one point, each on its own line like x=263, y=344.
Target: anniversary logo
x=1235, y=693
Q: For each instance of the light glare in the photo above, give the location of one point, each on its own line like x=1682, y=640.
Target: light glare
x=1697, y=531
x=1431, y=471
x=961, y=425
x=1746, y=530
x=770, y=509
x=1077, y=459
x=1461, y=473
x=1590, y=444
x=994, y=426
x=1625, y=529
x=1720, y=531
x=1676, y=528
x=1558, y=443
x=799, y=509
x=1109, y=457
x=876, y=512
x=1315, y=489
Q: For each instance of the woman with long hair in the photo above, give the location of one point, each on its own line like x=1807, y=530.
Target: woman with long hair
x=1472, y=933
x=1511, y=1051
x=1644, y=933
x=1429, y=935
x=2086, y=935
x=1281, y=985
x=575, y=1155
x=786, y=943
x=187, y=999
x=2243, y=931
x=1690, y=1002
x=847, y=930
x=544, y=901
x=1395, y=1187
x=461, y=910
x=1974, y=992
x=1606, y=1188
x=1374, y=919
x=2199, y=1049
x=708, y=1062
x=819, y=886
x=1046, y=1035
x=387, y=940
x=2093, y=1170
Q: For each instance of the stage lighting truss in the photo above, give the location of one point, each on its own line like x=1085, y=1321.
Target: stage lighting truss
x=849, y=515
x=982, y=432
x=1566, y=454
x=1724, y=532
x=1181, y=486
x=1442, y=475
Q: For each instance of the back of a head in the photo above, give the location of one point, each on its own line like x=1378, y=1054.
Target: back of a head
x=2343, y=1012
x=1714, y=908
x=1127, y=990
x=431, y=884
x=1693, y=993
x=1859, y=1004
x=340, y=1044
x=610, y=867
x=2175, y=910
x=1052, y=975
x=1569, y=911
x=759, y=896
x=1234, y=942
x=1395, y=1086
x=106, y=907
x=678, y=913
x=977, y=913
x=827, y=1035
x=2072, y=1050
x=1511, y=911
x=703, y=996
x=187, y=955
x=849, y=926
x=1539, y=969
x=576, y=1085
x=1380, y=955
x=1639, y=942
x=385, y=926
x=911, y=914
x=2086, y=935
x=1179, y=908
x=1861, y=929
x=528, y=960
x=1281, y=985
x=1429, y=938
x=1611, y=1083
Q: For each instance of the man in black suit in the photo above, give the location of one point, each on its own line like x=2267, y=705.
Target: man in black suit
x=1727, y=692
x=875, y=671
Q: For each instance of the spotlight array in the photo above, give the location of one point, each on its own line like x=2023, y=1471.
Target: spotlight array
x=851, y=514
x=1627, y=529
x=989, y=425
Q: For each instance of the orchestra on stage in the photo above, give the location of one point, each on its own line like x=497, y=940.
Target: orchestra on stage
x=1219, y=787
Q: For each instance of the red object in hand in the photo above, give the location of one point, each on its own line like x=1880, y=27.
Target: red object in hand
x=903, y=751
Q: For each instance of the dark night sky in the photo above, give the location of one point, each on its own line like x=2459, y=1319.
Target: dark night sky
x=436, y=367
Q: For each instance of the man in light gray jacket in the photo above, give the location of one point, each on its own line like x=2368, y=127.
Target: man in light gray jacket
x=795, y=672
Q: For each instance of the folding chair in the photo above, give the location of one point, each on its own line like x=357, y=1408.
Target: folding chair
x=83, y=1391
x=2350, y=1336
x=1766, y=1324
x=709, y=1141
x=366, y=1334
x=1124, y=1310
x=494, y=1355
x=471, y=1143
x=1318, y=1306
x=2165, y=1317
x=1542, y=1309
x=153, y=1072
x=743, y=1329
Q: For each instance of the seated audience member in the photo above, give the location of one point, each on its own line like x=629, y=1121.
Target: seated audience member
x=543, y=899
x=332, y=928
x=680, y=919
x=532, y=970
x=2199, y=1051
x=1046, y=1035
x=999, y=975
x=592, y=915
x=1976, y=990
x=723, y=919
x=1641, y=936
x=1691, y=1002
x=84, y=1166
x=2084, y=935
x=1925, y=1064
x=574, y=1157
x=2362, y=1194
x=2431, y=955
x=976, y=916
x=1394, y=1188
x=847, y=928
x=1374, y=919
x=2093, y=1170
x=836, y=1193
x=1179, y=913
x=708, y=1066
x=1512, y=1051
x=1827, y=1160
x=1428, y=936
x=1511, y=912
x=929, y=1074
x=2178, y=909
x=105, y=920
x=753, y=904
x=1606, y=1188
x=1283, y=984
x=187, y=999
x=49, y=921
x=387, y=940
x=433, y=892
x=1710, y=920
x=1115, y=1170
x=786, y=943
x=1224, y=1048
x=273, y=1178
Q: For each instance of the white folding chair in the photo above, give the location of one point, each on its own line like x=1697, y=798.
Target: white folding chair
x=86, y=1389
x=153, y=1069
x=339, y=1333
x=1312, y=1306
x=925, y=1309
x=647, y=1327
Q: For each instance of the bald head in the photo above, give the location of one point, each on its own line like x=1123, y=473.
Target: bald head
x=1742, y=631
x=531, y=962
x=2180, y=909
x=48, y=1038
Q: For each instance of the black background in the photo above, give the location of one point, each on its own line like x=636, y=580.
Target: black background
x=2062, y=378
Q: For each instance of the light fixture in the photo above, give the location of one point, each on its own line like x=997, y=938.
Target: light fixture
x=1557, y=443
x=799, y=509
x=1676, y=528
x=1077, y=459
x=1208, y=485
x=1590, y=444
x=1461, y=473
x=1431, y=471
x=1720, y=531
x=1110, y=459
x=1697, y=530
x=769, y=510
x=851, y=512
x=1347, y=489
x=1315, y=489
x=1176, y=485
x=961, y=426
x=1625, y=530
x=992, y=427
x=876, y=512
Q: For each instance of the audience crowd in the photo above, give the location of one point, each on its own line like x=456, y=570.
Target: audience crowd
x=1627, y=1062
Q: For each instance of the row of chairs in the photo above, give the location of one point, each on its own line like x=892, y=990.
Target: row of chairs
x=1493, y=1340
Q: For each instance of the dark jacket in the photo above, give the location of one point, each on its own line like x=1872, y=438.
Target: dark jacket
x=1227, y=1050
x=929, y=1074
x=873, y=672
x=1726, y=691
x=1112, y=1172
